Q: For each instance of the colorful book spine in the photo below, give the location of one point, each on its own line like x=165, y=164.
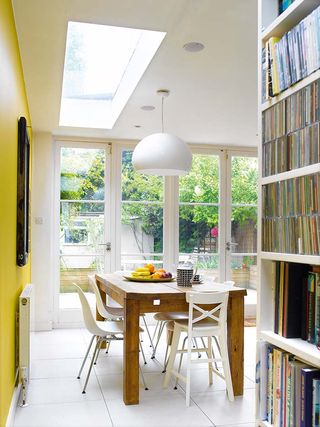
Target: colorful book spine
x=316, y=403
x=307, y=377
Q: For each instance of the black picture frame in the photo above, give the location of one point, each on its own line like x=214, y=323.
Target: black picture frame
x=23, y=194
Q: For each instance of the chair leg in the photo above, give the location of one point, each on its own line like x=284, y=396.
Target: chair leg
x=108, y=346
x=210, y=357
x=148, y=332
x=165, y=360
x=143, y=380
x=196, y=346
x=173, y=352
x=226, y=366
x=85, y=357
x=188, y=371
x=97, y=347
x=142, y=352
x=97, y=355
x=180, y=363
x=155, y=330
x=161, y=327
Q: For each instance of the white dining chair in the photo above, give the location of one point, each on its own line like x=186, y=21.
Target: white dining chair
x=103, y=331
x=202, y=323
x=113, y=312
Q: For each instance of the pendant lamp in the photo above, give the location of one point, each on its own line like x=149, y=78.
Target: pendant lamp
x=162, y=153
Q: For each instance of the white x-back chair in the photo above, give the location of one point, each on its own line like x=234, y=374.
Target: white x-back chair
x=208, y=323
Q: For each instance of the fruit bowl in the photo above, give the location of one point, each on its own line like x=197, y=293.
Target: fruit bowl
x=146, y=279
x=149, y=273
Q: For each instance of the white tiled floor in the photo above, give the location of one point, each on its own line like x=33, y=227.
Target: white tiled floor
x=55, y=398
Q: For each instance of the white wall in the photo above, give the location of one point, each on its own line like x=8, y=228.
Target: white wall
x=42, y=229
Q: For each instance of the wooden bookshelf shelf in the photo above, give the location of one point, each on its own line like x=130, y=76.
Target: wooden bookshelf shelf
x=302, y=259
x=302, y=349
x=291, y=90
x=307, y=170
x=298, y=10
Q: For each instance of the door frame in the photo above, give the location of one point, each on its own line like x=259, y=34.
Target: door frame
x=73, y=317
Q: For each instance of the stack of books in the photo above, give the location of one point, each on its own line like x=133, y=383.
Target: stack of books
x=297, y=302
x=289, y=391
x=292, y=57
x=291, y=132
x=291, y=216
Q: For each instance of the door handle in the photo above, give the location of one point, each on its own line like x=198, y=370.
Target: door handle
x=107, y=245
x=230, y=244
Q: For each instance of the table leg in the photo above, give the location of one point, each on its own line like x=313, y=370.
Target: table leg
x=236, y=342
x=131, y=352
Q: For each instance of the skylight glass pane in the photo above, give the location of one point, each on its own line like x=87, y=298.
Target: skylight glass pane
x=101, y=71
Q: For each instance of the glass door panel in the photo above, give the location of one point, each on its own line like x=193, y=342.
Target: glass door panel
x=82, y=220
x=199, y=206
x=141, y=217
x=241, y=246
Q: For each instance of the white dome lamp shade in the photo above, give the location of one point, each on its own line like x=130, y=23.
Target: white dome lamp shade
x=162, y=153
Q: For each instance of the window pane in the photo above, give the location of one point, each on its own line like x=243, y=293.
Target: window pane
x=244, y=180
x=244, y=271
x=135, y=186
x=131, y=262
x=198, y=229
x=74, y=268
x=81, y=227
x=142, y=228
x=201, y=184
x=244, y=229
x=82, y=174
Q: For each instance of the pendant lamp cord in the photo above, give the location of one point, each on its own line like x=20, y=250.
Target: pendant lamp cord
x=162, y=100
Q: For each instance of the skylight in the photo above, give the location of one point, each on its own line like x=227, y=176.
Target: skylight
x=103, y=65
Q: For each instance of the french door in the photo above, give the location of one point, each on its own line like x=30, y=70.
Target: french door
x=240, y=238
x=208, y=216
x=83, y=230
x=218, y=215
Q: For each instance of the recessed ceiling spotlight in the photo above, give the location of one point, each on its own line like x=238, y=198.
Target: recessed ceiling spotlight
x=193, y=47
x=137, y=126
x=148, y=107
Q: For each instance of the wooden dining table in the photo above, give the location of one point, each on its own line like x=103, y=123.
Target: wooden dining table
x=145, y=297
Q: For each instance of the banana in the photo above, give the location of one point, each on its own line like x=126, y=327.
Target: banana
x=140, y=273
x=142, y=269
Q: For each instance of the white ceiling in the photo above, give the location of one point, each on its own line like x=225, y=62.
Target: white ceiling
x=213, y=92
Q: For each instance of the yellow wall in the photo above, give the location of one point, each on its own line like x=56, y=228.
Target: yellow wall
x=13, y=104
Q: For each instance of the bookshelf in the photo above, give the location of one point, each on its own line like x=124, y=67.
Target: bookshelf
x=271, y=24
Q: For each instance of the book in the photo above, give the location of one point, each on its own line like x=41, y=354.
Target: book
x=274, y=65
x=317, y=309
x=316, y=402
x=270, y=385
x=311, y=307
x=294, y=275
x=297, y=366
x=307, y=377
x=263, y=379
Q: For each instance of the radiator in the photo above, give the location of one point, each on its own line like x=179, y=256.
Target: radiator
x=25, y=313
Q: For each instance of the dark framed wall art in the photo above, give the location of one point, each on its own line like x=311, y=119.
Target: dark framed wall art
x=23, y=194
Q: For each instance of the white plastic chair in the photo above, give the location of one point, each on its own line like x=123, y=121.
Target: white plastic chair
x=207, y=324
x=102, y=330
x=113, y=312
